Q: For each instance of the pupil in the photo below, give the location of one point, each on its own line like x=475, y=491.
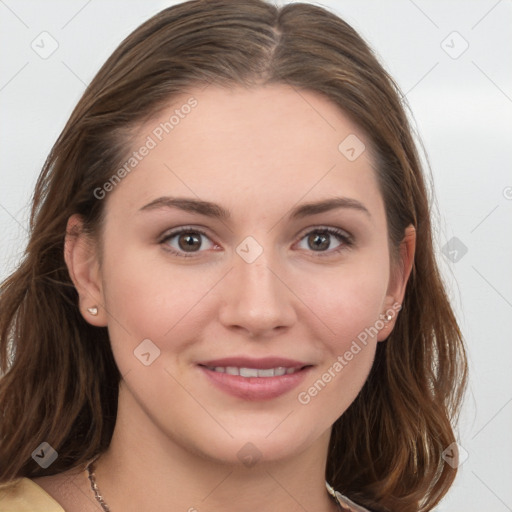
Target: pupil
x=320, y=241
x=190, y=240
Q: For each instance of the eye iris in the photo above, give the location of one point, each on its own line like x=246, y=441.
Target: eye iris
x=319, y=241
x=187, y=240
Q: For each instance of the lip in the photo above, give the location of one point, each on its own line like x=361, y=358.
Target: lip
x=255, y=388
x=249, y=362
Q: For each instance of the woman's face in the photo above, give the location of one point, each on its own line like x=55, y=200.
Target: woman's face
x=256, y=280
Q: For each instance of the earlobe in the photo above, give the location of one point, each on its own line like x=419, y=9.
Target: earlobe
x=83, y=268
x=398, y=282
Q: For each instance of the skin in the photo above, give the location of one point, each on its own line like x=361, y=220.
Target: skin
x=258, y=153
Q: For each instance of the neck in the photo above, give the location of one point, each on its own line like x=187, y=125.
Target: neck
x=146, y=469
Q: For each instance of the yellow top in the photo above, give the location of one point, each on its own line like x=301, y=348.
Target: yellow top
x=24, y=495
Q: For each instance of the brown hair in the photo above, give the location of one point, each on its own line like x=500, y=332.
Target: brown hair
x=60, y=380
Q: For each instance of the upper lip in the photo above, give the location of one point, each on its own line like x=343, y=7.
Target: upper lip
x=260, y=363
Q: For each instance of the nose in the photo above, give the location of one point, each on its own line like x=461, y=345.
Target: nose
x=257, y=298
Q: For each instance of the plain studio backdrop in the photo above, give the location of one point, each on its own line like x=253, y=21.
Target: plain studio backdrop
x=451, y=59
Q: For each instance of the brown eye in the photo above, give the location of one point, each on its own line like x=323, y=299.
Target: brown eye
x=189, y=242
x=320, y=240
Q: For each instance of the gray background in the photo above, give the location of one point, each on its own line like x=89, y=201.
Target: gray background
x=461, y=100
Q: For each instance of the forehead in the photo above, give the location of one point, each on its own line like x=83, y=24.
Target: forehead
x=271, y=144
x=278, y=120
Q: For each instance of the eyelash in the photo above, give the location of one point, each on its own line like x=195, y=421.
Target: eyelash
x=344, y=237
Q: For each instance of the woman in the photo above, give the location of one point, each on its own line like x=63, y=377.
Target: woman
x=230, y=297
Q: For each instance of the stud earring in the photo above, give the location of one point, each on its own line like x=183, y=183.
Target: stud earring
x=93, y=310
x=387, y=317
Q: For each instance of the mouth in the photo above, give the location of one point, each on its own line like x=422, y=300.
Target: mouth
x=255, y=372
x=255, y=379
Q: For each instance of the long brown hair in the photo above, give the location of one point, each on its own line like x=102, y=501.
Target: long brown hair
x=60, y=381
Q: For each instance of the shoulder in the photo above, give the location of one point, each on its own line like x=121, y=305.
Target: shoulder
x=346, y=504
x=24, y=495
x=353, y=507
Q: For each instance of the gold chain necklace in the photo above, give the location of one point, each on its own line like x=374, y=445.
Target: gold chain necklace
x=94, y=485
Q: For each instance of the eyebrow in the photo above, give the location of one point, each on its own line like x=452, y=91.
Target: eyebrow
x=214, y=210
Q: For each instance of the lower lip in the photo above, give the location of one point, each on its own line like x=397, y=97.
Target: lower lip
x=255, y=388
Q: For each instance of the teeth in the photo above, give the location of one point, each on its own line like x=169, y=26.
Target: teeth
x=266, y=373
x=248, y=372
x=254, y=372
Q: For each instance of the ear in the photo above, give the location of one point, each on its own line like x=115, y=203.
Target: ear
x=84, y=269
x=398, y=281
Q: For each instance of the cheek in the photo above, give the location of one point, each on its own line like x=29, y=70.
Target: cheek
x=149, y=299
x=349, y=302
x=348, y=299
x=351, y=312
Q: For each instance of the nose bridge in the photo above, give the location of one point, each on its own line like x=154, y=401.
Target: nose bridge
x=258, y=287
x=257, y=299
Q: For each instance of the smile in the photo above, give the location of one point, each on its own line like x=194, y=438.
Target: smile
x=254, y=372
x=255, y=384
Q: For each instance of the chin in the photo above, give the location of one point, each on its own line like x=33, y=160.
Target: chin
x=250, y=446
